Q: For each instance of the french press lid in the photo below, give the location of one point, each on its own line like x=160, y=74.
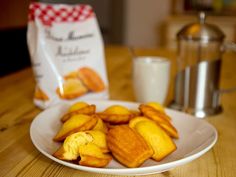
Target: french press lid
x=201, y=31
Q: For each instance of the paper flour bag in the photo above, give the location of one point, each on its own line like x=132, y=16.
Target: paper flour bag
x=67, y=54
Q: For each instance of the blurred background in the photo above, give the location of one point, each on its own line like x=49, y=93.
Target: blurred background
x=136, y=23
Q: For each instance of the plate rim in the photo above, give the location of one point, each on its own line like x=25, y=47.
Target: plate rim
x=126, y=171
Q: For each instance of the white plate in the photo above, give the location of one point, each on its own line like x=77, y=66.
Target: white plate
x=196, y=138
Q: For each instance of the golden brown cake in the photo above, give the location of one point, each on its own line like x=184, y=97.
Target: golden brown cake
x=79, y=108
x=127, y=146
x=70, y=148
x=89, y=146
x=101, y=126
x=91, y=155
x=154, y=114
x=75, y=124
x=91, y=79
x=155, y=136
x=156, y=106
x=116, y=114
x=159, y=117
x=99, y=139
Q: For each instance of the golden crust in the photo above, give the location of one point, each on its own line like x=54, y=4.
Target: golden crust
x=101, y=126
x=156, y=106
x=127, y=146
x=116, y=114
x=155, y=136
x=78, y=105
x=60, y=154
x=160, y=118
x=154, y=114
x=170, y=130
x=91, y=155
x=74, y=124
x=110, y=126
x=91, y=161
x=87, y=110
x=72, y=88
x=135, y=113
x=99, y=139
x=91, y=79
x=115, y=118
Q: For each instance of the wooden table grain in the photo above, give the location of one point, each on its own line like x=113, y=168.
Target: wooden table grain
x=18, y=156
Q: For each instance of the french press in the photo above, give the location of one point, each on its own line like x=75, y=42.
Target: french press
x=200, y=49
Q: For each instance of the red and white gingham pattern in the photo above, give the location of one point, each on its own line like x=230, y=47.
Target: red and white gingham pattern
x=49, y=14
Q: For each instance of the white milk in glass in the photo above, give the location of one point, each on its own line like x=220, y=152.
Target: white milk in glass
x=151, y=78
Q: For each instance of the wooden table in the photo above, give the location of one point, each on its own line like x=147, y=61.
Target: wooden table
x=18, y=156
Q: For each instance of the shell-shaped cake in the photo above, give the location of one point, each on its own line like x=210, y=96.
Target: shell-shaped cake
x=127, y=146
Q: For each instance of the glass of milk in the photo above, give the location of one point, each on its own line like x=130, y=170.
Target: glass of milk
x=151, y=77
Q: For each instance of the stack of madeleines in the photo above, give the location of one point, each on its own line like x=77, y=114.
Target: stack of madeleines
x=131, y=137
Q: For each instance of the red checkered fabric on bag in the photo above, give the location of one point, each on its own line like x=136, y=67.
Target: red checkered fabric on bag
x=49, y=14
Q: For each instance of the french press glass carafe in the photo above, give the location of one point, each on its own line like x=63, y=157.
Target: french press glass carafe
x=200, y=48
